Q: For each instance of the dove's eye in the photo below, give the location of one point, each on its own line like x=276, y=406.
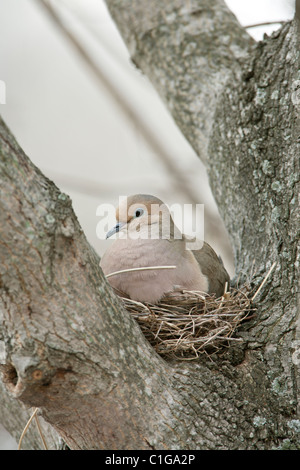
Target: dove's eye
x=138, y=213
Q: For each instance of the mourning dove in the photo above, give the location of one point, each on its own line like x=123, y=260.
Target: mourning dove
x=148, y=237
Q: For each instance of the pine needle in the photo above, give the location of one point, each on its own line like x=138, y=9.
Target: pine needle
x=33, y=416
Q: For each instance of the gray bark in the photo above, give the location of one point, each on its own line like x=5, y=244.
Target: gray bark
x=68, y=346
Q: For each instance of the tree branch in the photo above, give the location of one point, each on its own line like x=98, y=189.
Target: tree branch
x=14, y=415
x=188, y=50
x=125, y=105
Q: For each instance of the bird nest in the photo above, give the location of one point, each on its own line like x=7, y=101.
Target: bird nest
x=188, y=324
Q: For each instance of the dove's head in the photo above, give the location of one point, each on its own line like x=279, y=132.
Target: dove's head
x=143, y=216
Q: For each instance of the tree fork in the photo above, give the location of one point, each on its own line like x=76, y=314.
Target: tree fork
x=67, y=344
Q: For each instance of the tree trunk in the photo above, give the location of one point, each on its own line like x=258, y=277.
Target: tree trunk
x=68, y=346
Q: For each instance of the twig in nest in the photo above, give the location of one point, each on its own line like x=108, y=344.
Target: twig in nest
x=191, y=323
